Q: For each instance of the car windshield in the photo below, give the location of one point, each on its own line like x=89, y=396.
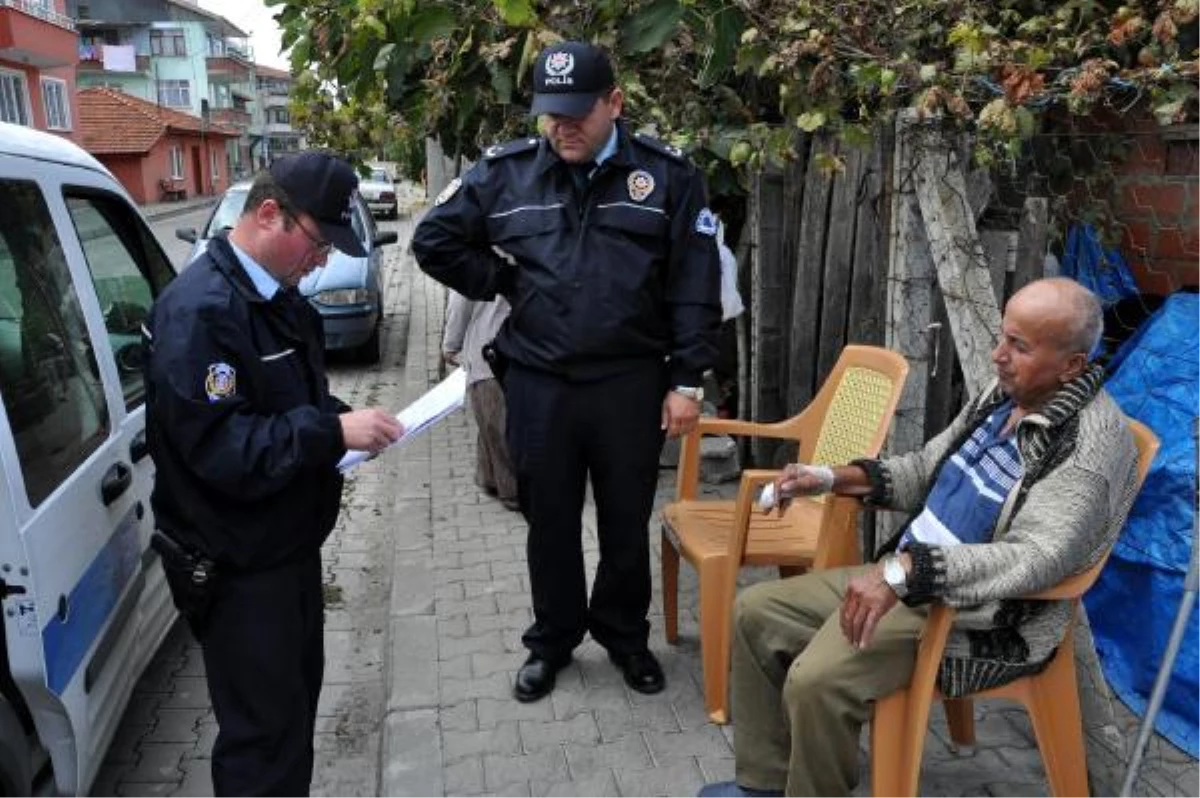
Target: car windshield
x=227, y=213
x=380, y=175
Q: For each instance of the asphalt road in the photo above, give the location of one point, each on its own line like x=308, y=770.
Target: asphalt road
x=164, y=230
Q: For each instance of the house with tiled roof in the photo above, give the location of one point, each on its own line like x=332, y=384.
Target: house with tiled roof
x=38, y=50
x=157, y=153
x=172, y=53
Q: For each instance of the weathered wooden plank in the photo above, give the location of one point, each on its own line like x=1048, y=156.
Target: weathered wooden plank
x=1031, y=242
x=910, y=278
x=808, y=268
x=939, y=394
x=769, y=281
x=1000, y=249
x=961, y=268
x=868, y=283
x=839, y=262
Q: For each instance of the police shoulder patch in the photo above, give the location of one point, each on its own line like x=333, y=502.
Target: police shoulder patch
x=651, y=143
x=509, y=148
x=706, y=222
x=220, y=382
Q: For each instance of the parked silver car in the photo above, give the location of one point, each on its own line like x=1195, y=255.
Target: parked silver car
x=346, y=291
x=379, y=191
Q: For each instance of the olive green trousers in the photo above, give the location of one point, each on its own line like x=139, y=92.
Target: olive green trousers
x=800, y=691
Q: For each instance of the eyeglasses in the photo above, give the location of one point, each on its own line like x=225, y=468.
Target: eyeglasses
x=319, y=244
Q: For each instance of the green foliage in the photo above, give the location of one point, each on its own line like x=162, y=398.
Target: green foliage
x=735, y=81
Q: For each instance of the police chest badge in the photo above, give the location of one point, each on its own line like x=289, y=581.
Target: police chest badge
x=706, y=222
x=221, y=382
x=448, y=192
x=641, y=185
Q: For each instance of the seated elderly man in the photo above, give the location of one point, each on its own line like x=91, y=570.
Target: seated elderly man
x=1030, y=484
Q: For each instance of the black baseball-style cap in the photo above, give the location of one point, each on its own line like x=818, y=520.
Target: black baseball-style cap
x=568, y=77
x=320, y=185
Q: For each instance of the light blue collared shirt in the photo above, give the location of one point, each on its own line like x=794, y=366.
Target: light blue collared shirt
x=264, y=283
x=609, y=149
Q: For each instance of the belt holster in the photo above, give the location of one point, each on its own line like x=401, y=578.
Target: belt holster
x=192, y=578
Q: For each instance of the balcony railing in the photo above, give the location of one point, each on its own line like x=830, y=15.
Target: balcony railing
x=42, y=10
x=91, y=59
x=230, y=116
x=228, y=67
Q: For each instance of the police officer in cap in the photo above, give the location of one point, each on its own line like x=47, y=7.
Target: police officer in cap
x=603, y=244
x=246, y=439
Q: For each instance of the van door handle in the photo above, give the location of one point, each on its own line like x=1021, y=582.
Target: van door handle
x=115, y=482
x=137, y=447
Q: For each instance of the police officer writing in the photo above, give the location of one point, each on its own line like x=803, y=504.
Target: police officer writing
x=607, y=254
x=246, y=439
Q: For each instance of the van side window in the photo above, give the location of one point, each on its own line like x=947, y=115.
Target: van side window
x=128, y=269
x=48, y=373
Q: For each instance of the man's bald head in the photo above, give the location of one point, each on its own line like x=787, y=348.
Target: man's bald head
x=1072, y=309
x=1048, y=332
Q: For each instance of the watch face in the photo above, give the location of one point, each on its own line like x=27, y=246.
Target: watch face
x=893, y=572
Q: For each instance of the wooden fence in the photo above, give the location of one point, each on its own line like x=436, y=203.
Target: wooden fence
x=883, y=251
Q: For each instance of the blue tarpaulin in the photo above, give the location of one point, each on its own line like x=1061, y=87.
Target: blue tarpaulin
x=1102, y=270
x=1133, y=605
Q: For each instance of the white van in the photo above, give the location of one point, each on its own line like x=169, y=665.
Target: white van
x=85, y=603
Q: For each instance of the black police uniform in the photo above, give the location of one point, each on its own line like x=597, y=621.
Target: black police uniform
x=245, y=437
x=615, y=293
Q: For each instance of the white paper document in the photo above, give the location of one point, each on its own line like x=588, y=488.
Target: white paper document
x=437, y=403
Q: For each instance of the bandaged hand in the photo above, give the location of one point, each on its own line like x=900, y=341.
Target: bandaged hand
x=797, y=479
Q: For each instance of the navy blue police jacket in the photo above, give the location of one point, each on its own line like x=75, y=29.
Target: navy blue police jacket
x=599, y=280
x=243, y=431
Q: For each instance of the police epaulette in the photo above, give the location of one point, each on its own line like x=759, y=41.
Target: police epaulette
x=510, y=148
x=659, y=146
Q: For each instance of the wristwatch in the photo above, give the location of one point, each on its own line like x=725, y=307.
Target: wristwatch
x=895, y=575
x=695, y=394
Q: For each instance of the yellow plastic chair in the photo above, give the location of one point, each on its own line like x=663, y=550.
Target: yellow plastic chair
x=1051, y=697
x=848, y=418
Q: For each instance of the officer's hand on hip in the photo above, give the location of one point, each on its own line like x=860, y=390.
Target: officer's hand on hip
x=370, y=430
x=679, y=414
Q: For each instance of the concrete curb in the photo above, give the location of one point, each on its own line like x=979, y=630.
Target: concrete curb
x=411, y=749
x=158, y=212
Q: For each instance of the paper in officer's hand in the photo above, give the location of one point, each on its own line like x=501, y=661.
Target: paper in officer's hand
x=438, y=402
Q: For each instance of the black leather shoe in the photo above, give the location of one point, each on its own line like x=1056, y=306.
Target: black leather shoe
x=536, y=677
x=641, y=670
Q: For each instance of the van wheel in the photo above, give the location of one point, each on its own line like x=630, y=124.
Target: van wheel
x=370, y=350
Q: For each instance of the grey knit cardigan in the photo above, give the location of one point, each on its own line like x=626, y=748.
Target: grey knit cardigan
x=1080, y=464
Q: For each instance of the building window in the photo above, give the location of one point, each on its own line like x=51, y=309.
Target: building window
x=215, y=165
x=176, y=156
x=168, y=41
x=14, y=98
x=58, y=110
x=175, y=93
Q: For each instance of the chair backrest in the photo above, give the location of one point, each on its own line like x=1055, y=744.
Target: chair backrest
x=852, y=411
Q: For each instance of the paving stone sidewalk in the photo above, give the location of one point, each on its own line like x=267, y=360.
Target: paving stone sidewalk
x=460, y=602
x=428, y=594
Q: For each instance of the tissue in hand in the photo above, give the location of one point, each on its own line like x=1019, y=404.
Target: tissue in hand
x=766, y=499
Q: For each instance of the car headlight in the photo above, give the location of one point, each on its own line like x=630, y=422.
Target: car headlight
x=343, y=296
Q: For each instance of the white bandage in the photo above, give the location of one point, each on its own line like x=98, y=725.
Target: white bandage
x=823, y=475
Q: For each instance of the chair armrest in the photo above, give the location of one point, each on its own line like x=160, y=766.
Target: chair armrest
x=732, y=426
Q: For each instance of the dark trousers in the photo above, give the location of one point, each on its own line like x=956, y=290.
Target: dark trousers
x=560, y=433
x=265, y=657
